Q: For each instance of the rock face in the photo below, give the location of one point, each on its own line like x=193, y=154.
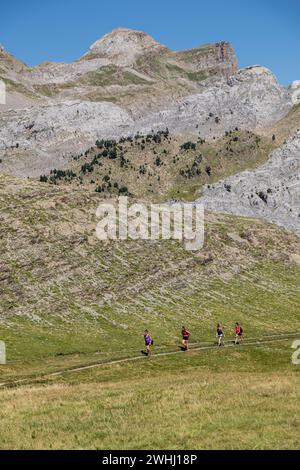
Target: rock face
x=216, y=58
x=251, y=99
x=32, y=138
x=2, y=92
x=46, y=136
x=271, y=192
x=52, y=125
x=295, y=91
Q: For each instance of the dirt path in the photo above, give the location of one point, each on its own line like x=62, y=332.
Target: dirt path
x=250, y=342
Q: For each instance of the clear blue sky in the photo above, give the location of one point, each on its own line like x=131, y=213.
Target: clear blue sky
x=263, y=32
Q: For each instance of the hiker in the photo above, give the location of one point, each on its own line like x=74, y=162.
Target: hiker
x=238, y=333
x=220, y=335
x=148, y=342
x=185, y=338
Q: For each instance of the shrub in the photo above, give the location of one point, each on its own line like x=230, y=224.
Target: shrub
x=208, y=170
x=188, y=146
x=87, y=168
x=123, y=190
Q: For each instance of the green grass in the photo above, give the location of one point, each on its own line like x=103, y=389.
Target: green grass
x=246, y=398
x=61, y=343
x=68, y=299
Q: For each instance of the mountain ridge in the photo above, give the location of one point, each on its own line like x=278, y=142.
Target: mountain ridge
x=128, y=84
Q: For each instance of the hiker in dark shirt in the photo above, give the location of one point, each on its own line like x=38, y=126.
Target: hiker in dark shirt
x=220, y=335
x=148, y=342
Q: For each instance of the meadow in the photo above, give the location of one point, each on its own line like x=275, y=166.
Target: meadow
x=68, y=301
x=234, y=398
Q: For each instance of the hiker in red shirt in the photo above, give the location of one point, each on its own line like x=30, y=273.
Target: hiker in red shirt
x=185, y=338
x=238, y=333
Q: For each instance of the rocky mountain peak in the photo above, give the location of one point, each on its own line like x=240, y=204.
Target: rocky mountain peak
x=124, y=45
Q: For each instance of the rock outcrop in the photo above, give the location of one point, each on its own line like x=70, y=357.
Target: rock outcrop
x=271, y=192
x=46, y=136
x=216, y=58
x=69, y=106
x=124, y=46
x=251, y=99
x=295, y=91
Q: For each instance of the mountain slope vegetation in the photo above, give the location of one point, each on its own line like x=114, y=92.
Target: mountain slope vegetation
x=64, y=291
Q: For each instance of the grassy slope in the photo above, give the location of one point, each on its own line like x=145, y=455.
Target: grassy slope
x=63, y=291
x=171, y=176
x=68, y=299
x=286, y=127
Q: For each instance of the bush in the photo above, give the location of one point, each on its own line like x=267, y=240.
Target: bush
x=188, y=146
x=87, y=168
x=112, y=154
x=208, y=170
x=123, y=190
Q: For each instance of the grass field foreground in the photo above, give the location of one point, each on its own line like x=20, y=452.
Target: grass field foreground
x=244, y=398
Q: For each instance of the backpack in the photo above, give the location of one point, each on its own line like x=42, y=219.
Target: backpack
x=241, y=330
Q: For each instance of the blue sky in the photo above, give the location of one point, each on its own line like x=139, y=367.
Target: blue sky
x=263, y=32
